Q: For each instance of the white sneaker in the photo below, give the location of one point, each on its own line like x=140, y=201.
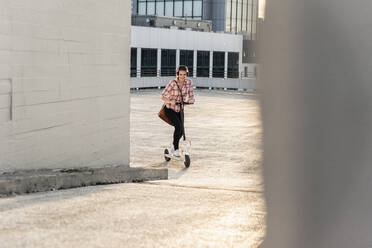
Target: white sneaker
x=176, y=153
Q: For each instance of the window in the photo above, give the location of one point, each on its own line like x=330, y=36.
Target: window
x=187, y=8
x=197, y=10
x=202, y=69
x=233, y=65
x=254, y=30
x=169, y=8
x=218, y=64
x=254, y=19
x=239, y=16
x=133, y=62
x=142, y=8
x=149, y=59
x=160, y=8
x=150, y=8
x=228, y=16
x=187, y=58
x=233, y=16
x=168, y=62
x=178, y=8
x=245, y=15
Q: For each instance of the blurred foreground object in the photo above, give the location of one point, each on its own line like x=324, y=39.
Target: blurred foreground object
x=317, y=99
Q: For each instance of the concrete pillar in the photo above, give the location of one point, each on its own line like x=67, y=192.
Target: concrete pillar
x=317, y=122
x=240, y=64
x=158, y=70
x=195, y=63
x=177, y=58
x=210, y=64
x=226, y=65
x=138, y=62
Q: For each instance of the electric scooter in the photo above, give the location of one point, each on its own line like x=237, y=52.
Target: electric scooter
x=185, y=146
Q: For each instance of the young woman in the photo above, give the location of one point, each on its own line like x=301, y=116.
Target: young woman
x=177, y=90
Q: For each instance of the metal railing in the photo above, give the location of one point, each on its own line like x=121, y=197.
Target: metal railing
x=217, y=73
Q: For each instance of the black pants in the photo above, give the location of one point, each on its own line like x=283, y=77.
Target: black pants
x=175, y=118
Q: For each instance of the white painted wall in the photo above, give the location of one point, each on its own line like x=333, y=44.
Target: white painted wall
x=146, y=37
x=64, y=83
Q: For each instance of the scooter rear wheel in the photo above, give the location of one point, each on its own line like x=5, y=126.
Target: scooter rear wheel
x=166, y=154
x=187, y=161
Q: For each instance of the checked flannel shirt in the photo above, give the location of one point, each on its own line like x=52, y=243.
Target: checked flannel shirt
x=172, y=92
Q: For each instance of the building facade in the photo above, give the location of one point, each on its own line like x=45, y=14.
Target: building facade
x=232, y=16
x=189, y=31
x=213, y=59
x=180, y=8
x=241, y=17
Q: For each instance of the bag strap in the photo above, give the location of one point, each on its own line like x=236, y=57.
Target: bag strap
x=179, y=90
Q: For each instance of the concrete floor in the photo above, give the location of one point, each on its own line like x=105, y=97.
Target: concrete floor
x=217, y=202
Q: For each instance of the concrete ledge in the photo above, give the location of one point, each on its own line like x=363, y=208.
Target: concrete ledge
x=30, y=181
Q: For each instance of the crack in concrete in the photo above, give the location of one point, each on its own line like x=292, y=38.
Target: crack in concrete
x=204, y=187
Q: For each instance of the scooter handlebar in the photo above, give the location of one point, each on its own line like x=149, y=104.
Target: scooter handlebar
x=183, y=103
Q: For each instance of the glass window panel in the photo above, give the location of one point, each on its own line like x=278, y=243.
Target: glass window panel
x=245, y=16
x=187, y=58
x=250, y=10
x=202, y=69
x=160, y=8
x=228, y=16
x=254, y=26
x=233, y=16
x=197, y=8
x=168, y=8
x=254, y=12
x=187, y=8
x=178, y=8
x=233, y=65
x=168, y=62
x=133, y=62
x=142, y=8
x=218, y=64
x=151, y=8
x=233, y=9
x=148, y=62
x=239, y=15
x=249, y=27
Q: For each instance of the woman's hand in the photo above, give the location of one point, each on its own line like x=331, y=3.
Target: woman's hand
x=166, y=100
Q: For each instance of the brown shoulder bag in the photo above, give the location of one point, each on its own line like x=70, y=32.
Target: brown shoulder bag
x=163, y=116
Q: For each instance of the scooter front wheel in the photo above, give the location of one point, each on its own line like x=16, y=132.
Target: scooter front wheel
x=187, y=161
x=166, y=155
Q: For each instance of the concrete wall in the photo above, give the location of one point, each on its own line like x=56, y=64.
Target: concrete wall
x=64, y=83
x=317, y=105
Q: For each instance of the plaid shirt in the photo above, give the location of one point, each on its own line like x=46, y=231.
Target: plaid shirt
x=172, y=92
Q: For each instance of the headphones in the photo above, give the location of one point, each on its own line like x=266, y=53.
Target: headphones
x=182, y=68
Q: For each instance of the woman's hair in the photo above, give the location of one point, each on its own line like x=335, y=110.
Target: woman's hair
x=183, y=68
